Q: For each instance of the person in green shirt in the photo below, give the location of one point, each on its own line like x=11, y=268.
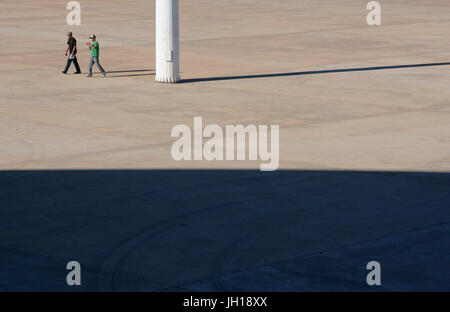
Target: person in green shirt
x=95, y=54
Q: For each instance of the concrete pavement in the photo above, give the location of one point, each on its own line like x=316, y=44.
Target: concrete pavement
x=86, y=171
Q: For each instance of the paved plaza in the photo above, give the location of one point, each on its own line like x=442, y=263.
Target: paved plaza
x=86, y=172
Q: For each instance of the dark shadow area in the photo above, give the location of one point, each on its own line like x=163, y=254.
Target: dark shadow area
x=215, y=230
x=313, y=72
x=131, y=75
x=129, y=71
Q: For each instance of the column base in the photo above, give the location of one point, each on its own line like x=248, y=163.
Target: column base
x=167, y=79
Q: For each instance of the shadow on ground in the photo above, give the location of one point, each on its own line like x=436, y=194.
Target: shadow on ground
x=129, y=71
x=213, y=230
x=131, y=75
x=313, y=72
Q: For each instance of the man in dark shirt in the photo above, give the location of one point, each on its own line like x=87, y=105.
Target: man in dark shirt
x=72, y=52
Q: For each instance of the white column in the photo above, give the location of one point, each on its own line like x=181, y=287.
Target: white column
x=167, y=41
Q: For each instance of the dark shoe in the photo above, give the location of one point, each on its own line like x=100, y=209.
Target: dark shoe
x=64, y=72
x=104, y=74
x=77, y=73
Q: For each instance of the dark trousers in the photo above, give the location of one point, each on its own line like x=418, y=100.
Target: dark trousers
x=75, y=62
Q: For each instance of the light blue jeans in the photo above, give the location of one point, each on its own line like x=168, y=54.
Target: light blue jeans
x=94, y=60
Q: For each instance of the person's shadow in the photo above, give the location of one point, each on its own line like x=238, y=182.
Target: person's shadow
x=131, y=73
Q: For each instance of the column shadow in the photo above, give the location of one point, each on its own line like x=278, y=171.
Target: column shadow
x=313, y=72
